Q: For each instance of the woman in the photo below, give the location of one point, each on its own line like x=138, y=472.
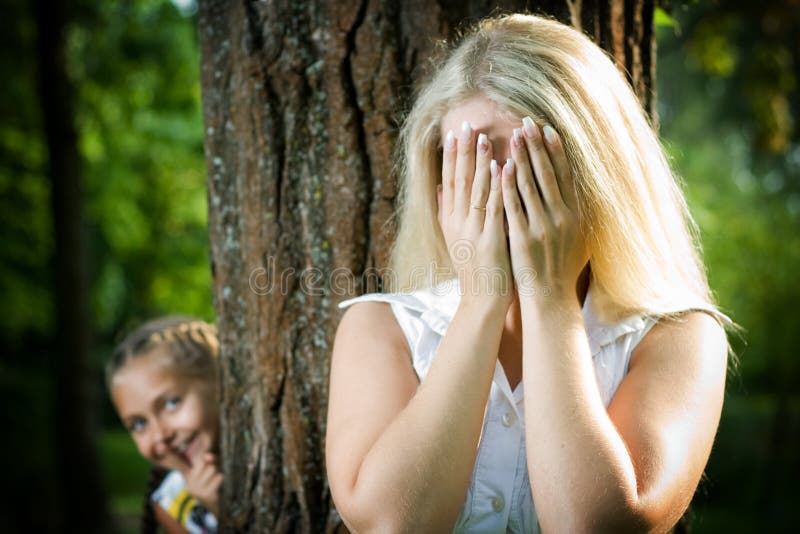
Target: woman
x=591, y=298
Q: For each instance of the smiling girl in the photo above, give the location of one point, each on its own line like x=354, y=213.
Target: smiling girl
x=163, y=383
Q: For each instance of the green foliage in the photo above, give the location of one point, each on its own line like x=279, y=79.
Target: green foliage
x=126, y=471
x=25, y=227
x=141, y=135
x=725, y=85
x=134, y=67
x=754, y=45
x=662, y=18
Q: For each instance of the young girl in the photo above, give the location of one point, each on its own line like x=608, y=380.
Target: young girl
x=568, y=373
x=163, y=383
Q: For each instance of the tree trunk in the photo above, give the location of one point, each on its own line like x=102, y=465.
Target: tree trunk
x=300, y=106
x=82, y=506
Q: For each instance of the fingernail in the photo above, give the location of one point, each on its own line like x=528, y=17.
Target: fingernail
x=495, y=181
x=529, y=127
x=550, y=134
x=483, y=143
x=450, y=141
x=466, y=131
x=509, y=167
x=517, y=137
x=493, y=168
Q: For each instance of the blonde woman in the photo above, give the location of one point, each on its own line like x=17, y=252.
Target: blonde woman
x=569, y=375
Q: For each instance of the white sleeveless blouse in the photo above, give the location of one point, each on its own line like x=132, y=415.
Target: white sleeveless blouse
x=499, y=497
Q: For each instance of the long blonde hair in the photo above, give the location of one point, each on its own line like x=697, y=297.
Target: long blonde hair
x=644, y=249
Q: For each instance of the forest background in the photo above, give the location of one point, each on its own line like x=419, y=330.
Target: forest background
x=728, y=103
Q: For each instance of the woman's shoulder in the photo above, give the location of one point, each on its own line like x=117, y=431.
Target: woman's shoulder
x=405, y=317
x=369, y=322
x=696, y=337
x=366, y=313
x=443, y=297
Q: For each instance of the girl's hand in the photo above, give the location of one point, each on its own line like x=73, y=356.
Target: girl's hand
x=203, y=481
x=203, y=478
x=471, y=217
x=548, y=251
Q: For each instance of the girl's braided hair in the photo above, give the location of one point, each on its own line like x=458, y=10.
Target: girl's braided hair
x=189, y=347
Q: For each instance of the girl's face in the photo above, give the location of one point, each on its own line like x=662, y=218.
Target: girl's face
x=173, y=419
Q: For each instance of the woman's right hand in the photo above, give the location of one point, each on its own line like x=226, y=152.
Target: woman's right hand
x=471, y=217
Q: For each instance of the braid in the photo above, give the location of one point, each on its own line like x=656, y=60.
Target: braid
x=189, y=344
x=149, y=523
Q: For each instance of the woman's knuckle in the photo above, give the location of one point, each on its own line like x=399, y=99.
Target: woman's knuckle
x=480, y=191
x=538, y=233
x=526, y=185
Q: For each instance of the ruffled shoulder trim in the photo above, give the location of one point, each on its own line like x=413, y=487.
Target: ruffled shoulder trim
x=436, y=306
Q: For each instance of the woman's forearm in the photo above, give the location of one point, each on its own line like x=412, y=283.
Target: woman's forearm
x=581, y=474
x=416, y=475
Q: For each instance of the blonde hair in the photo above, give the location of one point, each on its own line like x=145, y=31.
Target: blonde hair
x=644, y=248
x=185, y=345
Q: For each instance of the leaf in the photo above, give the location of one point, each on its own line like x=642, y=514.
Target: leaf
x=663, y=19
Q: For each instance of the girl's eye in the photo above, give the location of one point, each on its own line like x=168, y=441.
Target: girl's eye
x=172, y=403
x=137, y=425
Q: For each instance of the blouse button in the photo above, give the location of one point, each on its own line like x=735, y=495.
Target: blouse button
x=498, y=503
x=508, y=419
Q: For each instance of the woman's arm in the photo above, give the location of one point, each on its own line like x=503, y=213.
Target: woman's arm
x=634, y=467
x=400, y=457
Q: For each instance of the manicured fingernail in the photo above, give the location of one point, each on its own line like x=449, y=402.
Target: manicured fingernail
x=495, y=181
x=517, y=137
x=493, y=168
x=450, y=141
x=550, y=134
x=466, y=131
x=483, y=143
x=509, y=167
x=530, y=128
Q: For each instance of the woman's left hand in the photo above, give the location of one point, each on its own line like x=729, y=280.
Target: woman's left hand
x=548, y=251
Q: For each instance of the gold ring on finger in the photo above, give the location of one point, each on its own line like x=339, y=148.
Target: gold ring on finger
x=477, y=207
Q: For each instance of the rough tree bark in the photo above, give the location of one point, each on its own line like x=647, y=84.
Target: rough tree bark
x=301, y=101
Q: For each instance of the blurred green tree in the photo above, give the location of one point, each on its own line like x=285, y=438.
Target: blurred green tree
x=134, y=67
x=729, y=105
